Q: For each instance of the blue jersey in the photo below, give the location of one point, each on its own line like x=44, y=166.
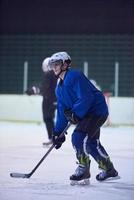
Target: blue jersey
x=77, y=93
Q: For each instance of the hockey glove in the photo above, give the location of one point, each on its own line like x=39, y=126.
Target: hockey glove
x=33, y=90
x=58, y=140
x=71, y=117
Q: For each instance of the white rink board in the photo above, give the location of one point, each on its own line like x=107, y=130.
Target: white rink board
x=21, y=108
x=24, y=108
x=121, y=110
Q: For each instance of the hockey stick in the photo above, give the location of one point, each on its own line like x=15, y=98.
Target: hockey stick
x=21, y=175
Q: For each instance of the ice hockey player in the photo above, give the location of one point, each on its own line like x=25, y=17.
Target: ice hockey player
x=81, y=103
x=47, y=90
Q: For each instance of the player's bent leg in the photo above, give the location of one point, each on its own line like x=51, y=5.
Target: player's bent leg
x=82, y=172
x=98, y=152
x=83, y=169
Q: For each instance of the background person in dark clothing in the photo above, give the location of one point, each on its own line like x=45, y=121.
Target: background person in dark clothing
x=47, y=90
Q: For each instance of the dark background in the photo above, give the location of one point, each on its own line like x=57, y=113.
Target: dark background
x=100, y=32
x=60, y=16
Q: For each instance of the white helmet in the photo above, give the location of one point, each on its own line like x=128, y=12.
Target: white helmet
x=45, y=63
x=60, y=56
x=64, y=56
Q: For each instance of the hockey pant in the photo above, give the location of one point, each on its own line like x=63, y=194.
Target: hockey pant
x=87, y=144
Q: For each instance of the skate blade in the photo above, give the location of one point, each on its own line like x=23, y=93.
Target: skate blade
x=111, y=179
x=81, y=182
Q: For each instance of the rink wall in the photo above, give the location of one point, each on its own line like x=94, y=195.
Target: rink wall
x=28, y=109
x=20, y=108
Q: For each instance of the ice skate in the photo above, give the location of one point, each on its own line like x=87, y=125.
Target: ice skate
x=48, y=143
x=107, y=175
x=81, y=176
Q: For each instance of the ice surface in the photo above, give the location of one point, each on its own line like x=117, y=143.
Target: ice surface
x=21, y=149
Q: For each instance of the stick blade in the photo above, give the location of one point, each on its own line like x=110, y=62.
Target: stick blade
x=19, y=175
